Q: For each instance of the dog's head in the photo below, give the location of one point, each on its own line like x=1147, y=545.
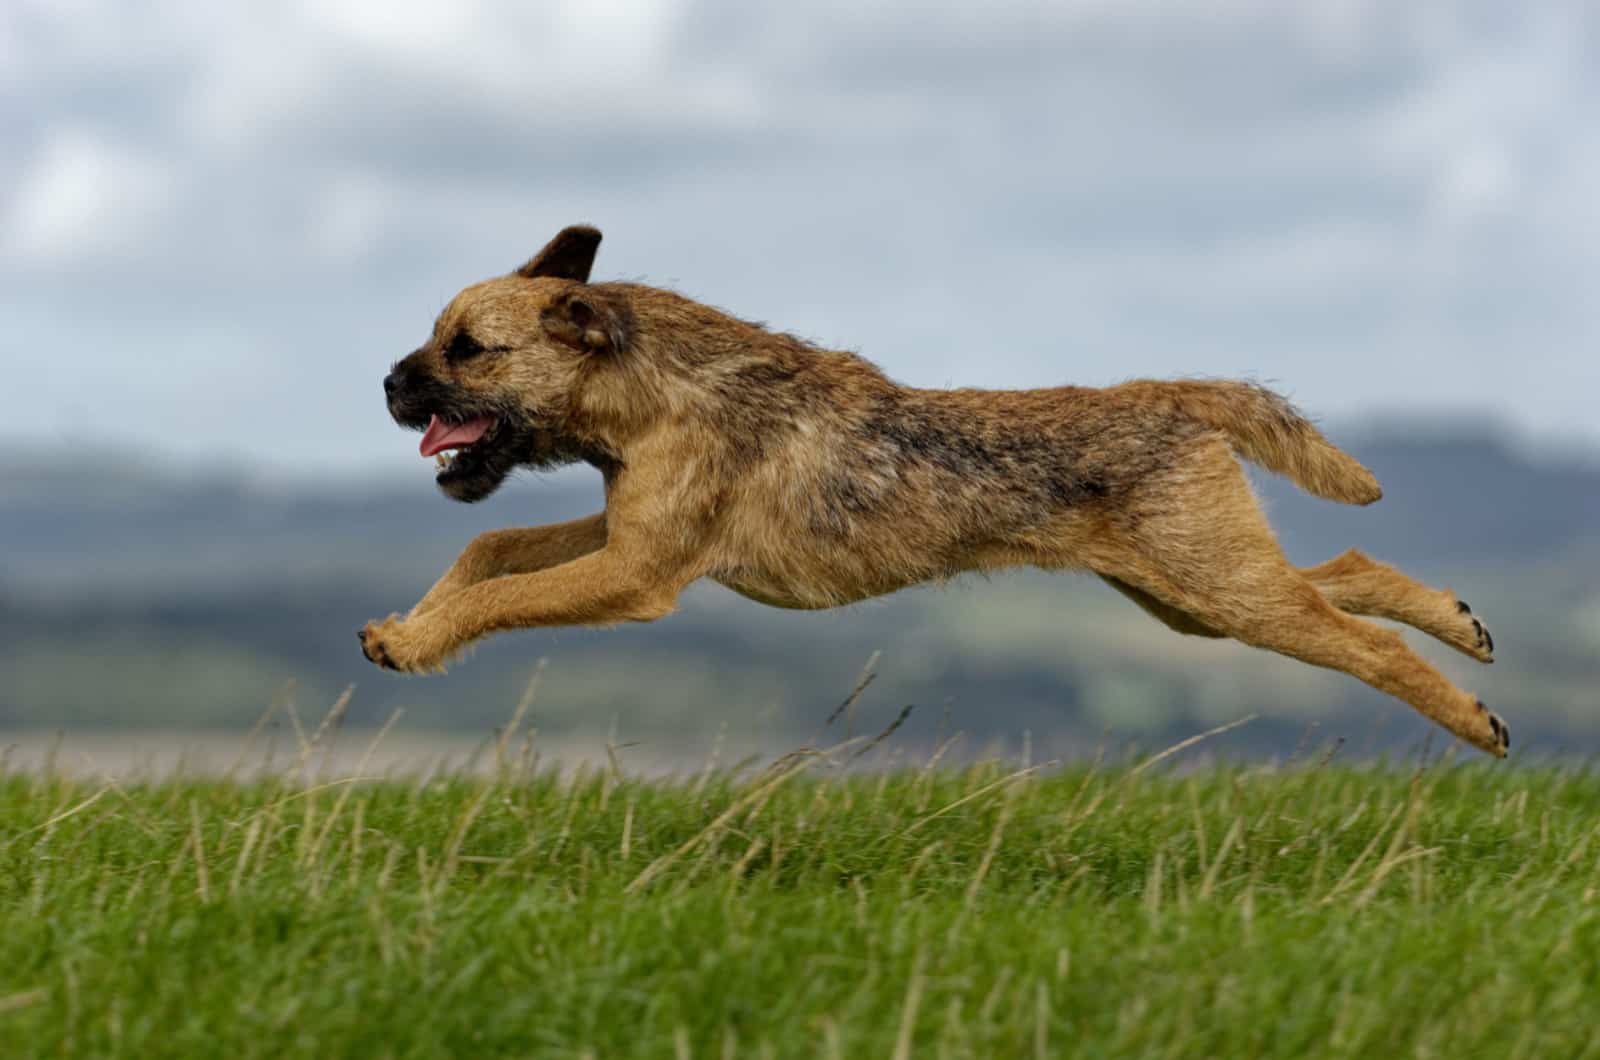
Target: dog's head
x=499, y=380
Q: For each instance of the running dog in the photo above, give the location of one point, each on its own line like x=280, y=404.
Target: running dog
x=803, y=477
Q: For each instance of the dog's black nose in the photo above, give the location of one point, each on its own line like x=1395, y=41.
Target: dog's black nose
x=391, y=383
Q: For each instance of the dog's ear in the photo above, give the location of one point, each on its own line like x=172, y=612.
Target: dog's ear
x=588, y=319
x=568, y=256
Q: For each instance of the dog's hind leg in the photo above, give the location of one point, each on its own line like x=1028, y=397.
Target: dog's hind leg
x=1356, y=583
x=1197, y=542
x=522, y=550
x=1290, y=616
x=1181, y=621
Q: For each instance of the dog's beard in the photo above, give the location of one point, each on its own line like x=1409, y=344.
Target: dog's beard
x=476, y=442
x=471, y=472
x=477, y=470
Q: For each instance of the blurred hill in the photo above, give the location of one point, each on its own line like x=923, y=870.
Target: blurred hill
x=132, y=595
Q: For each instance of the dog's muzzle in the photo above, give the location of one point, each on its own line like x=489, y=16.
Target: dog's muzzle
x=412, y=396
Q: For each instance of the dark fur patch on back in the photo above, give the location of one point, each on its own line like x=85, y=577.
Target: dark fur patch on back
x=993, y=475
x=759, y=405
x=1038, y=465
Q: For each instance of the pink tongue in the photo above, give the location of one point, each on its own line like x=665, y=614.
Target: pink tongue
x=441, y=435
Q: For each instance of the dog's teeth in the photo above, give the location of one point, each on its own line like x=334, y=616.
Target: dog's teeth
x=442, y=461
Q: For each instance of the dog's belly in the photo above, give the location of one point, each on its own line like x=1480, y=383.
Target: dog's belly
x=810, y=572
x=806, y=592
x=764, y=592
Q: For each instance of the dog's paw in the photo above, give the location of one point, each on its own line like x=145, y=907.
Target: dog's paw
x=403, y=646
x=1499, y=734
x=1468, y=634
x=374, y=637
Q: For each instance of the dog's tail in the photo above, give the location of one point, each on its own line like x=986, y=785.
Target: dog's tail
x=1265, y=429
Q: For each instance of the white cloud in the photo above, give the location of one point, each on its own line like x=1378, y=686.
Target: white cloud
x=1314, y=192
x=82, y=195
x=349, y=218
x=1480, y=180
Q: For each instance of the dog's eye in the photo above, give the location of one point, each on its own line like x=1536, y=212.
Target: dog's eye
x=462, y=347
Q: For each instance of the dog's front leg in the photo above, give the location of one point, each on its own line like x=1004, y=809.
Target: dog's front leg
x=516, y=551
x=611, y=585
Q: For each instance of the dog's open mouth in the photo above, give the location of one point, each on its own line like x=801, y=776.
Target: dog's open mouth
x=456, y=447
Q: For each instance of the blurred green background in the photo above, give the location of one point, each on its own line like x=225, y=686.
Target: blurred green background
x=134, y=597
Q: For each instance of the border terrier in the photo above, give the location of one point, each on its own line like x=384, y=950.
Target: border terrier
x=803, y=477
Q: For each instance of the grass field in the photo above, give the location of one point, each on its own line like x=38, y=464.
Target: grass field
x=799, y=909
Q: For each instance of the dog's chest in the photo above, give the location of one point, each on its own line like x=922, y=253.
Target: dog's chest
x=777, y=556
x=769, y=555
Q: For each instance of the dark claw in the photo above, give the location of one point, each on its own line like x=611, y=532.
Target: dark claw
x=1488, y=639
x=1461, y=605
x=1502, y=731
x=377, y=654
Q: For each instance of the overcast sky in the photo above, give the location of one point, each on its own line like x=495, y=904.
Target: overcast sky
x=219, y=223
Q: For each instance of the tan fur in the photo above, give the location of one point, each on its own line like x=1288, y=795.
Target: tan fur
x=803, y=477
